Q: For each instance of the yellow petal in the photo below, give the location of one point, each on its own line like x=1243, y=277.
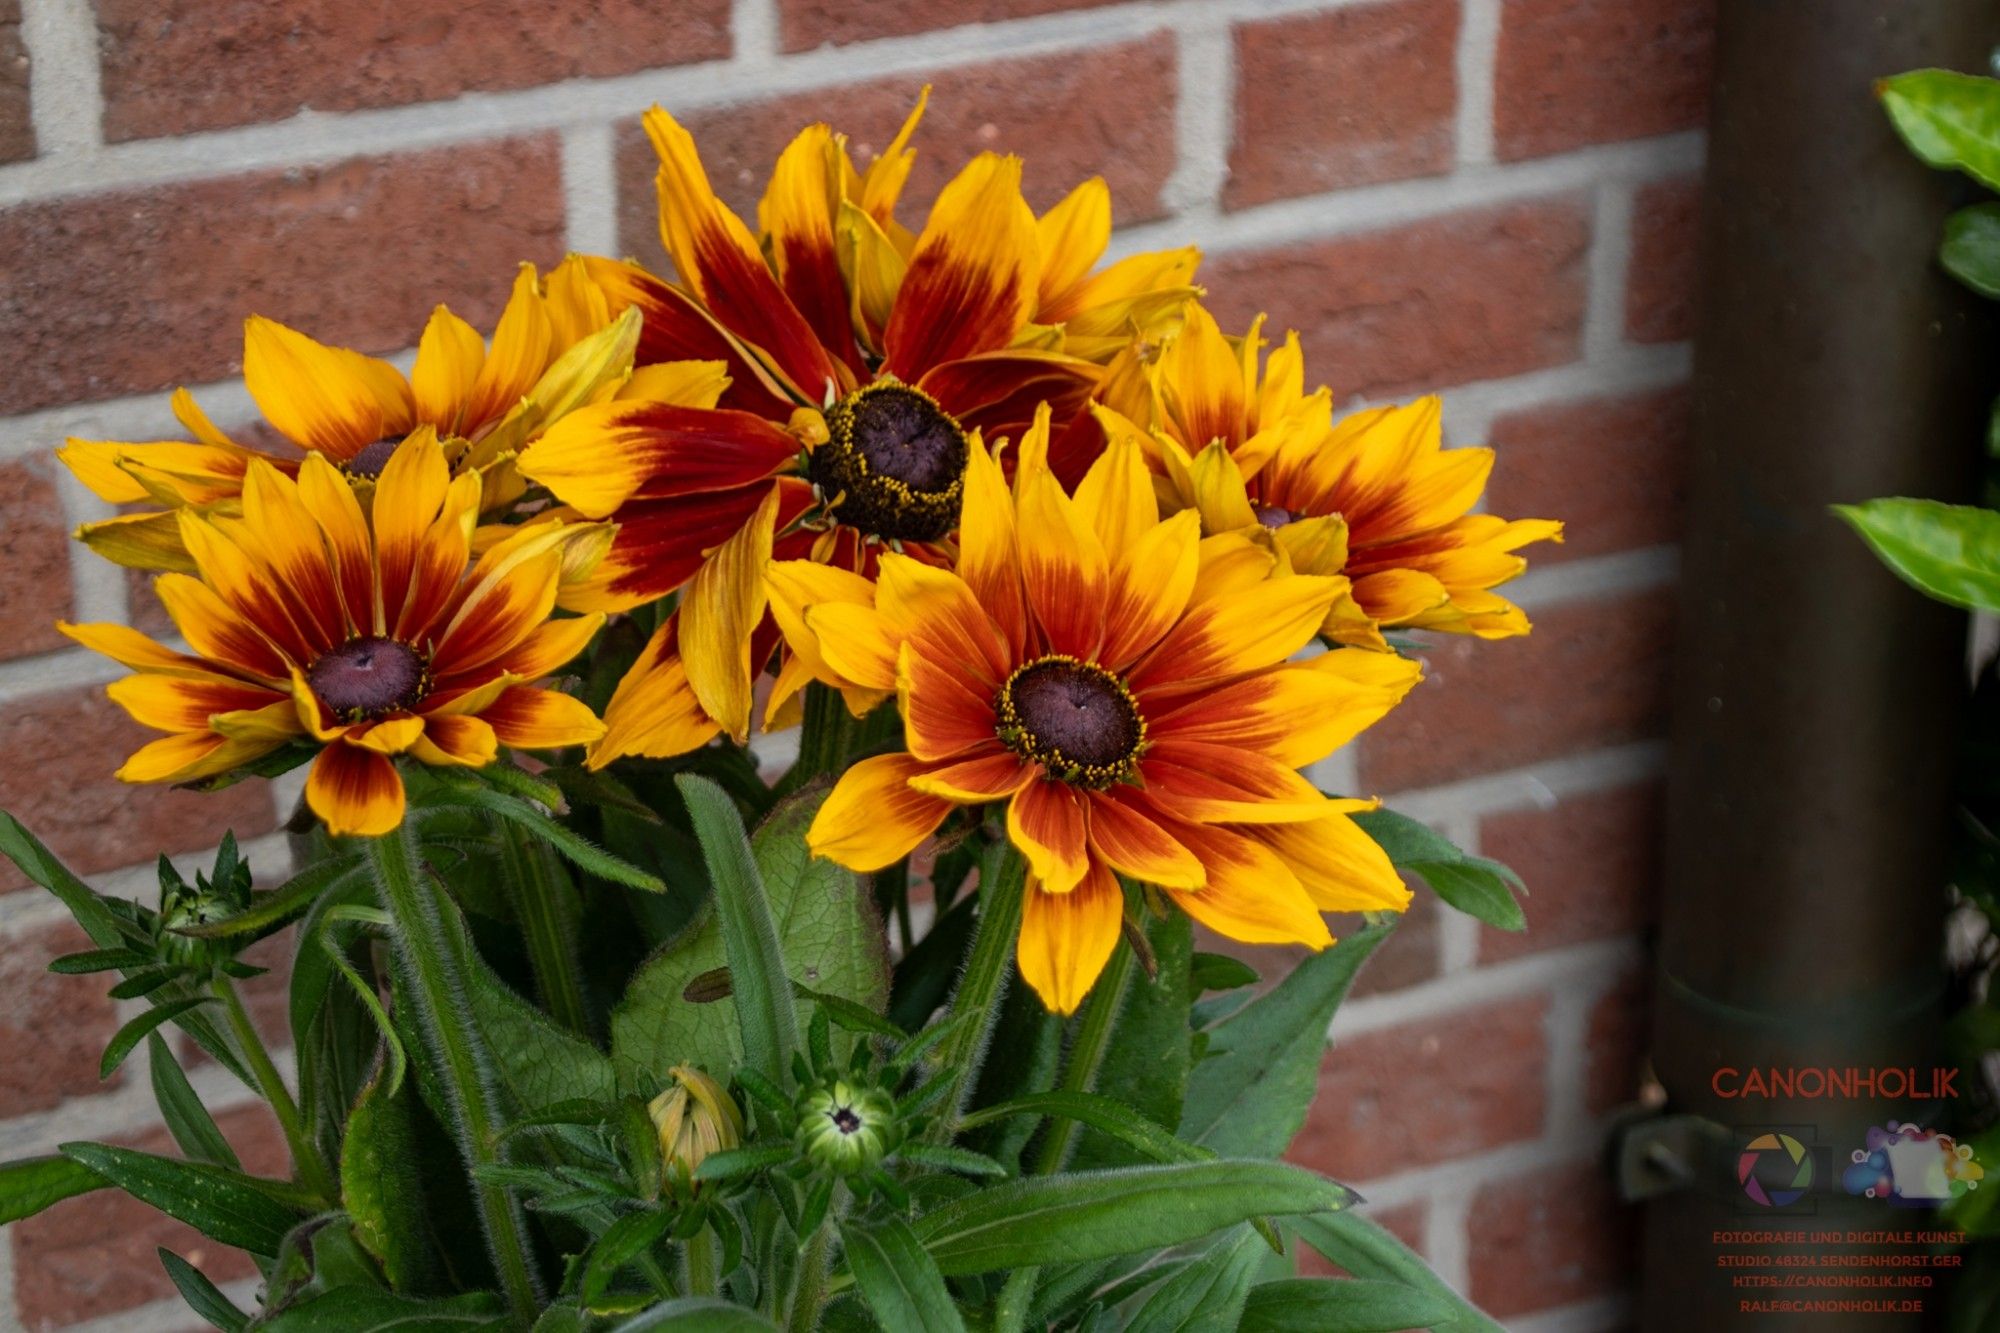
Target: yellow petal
x=522, y=344
x=1072, y=237
x=449, y=357
x=682, y=383
x=653, y=712
x=723, y=603
x=139, y=541
x=325, y=398
x=873, y=818
x=1067, y=938
x=357, y=792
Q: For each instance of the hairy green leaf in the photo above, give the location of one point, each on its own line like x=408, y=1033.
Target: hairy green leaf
x=224, y=1205
x=1366, y=1250
x=380, y=1185
x=1207, y=1293
x=1332, y=1305
x=367, y=1310
x=697, y=1314
x=193, y=1128
x=898, y=1278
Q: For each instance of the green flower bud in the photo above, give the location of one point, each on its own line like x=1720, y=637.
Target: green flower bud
x=846, y=1128
x=695, y=1117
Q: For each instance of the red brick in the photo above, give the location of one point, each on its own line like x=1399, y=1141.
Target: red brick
x=1612, y=469
x=804, y=24
x=17, y=130
x=172, y=66
x=52, y=1027
x=1590, y=864
x=61, y=750
x=1428, y=1091
x=1405, y=1223
x=1591, y=674
x=94, y=1255
x=1548, y=1238
x=1660, y=284
x=1576, y=72
x=137, y=291
x=1471, y=296
x=1615, y=1044
x=34, y=559
x=1107, y=112
x=1360, y=95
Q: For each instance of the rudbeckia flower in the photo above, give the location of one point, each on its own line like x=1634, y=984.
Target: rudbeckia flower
x=309, y=621
x=865, y=364
x=1128, y=689
x=1375, y=496
x=555, y=347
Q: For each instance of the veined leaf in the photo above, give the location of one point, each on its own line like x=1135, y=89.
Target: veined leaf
x=898, y=1279
x=1363, y=1248
x=1949, y=552
x=1075, y=1218
x=1207, y=1293
x=1334, y=1305
x=224, y=1205
x=697, y=1314
x=586, y=855
x=628, y=1238
x=34, y=1183
x=380, y=1185
x=1948, y=119
x=1101, y=1113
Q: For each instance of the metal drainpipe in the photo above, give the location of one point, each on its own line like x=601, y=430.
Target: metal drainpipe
x=1816, y=696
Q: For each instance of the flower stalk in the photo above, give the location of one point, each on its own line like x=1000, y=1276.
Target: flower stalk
x=1086, y=1054
x=541, y=896
x=976, y=1003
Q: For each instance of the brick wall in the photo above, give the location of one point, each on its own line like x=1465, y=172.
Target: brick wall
x=1489, y=197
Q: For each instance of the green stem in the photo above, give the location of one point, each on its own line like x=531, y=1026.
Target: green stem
x=812, y=1282
x=825, y=734
x=306, y=1158
x=1086, y=1053
x=1002, y=880
x=1010, y=1311
x=540, y=895
x=435, y=971
x=701, y=1278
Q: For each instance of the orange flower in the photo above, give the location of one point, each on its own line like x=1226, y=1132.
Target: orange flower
x=310, y=622
x=1128, y=689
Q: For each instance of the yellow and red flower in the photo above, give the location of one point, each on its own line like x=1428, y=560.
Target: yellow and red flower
x=557, y=345
x=1128, y=689
x=1375, y=496
x=865, y=364
x=365, y=634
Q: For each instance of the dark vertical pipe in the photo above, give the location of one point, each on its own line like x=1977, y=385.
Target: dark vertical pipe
x=1816, y=696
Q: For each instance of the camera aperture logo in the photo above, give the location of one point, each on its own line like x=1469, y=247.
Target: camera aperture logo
x=1775, y=1170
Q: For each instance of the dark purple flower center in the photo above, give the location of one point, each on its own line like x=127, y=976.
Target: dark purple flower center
x=893, y=464
x=371, y=460
x=1074, y=718
x=369, y=677
x=1274, y=516
x=845, y=1120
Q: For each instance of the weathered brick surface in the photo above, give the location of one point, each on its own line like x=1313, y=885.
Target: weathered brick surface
x=1614, y=469
x=17, y=133
x=1470, y=296
x=34, y=559
x=1108, y=113
x=61, y=749
x=1324, y=101
x=1591, y=864
x=94, y=1255
x=1576, y=72
x=1548, y=1238
x=140, y=290
x=52, y=1027
x=175, y=66
x=1428, y=1091
x=803, y=24
x=1660, y=286
x=1591, y=674
x=1615, y=1043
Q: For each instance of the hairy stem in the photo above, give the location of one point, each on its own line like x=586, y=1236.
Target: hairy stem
x=307, y=1160
x=701, y=1276
x=435, y=971
x=1002, y=880
x=541, y=896
x=812, y=1281
x=1086, y=1054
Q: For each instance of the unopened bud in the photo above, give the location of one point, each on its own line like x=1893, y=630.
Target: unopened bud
x=695, y=1117
x=847, y=1128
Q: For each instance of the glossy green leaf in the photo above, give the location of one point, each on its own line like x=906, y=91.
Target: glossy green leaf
x=1249, y=1094
x=898, y=1279
x=202, y=1295
x=1948, y=119
x=1076, y=1218
x=193, y=1128
x=1971, y=249
x=1359, y=1246
x=697, y=1314
x=1950, y=552
x=1334, y=1305
x=1208, y=1293
x=224, y=1205
x=367, y=1310
x=34, y=1183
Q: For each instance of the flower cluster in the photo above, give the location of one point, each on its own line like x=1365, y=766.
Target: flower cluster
x=1122, y=574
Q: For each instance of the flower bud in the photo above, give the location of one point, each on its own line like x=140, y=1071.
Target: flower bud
x=847, y=1128
x=695, y=1117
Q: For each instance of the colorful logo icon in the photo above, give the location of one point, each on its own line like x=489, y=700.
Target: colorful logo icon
x=1912, y=1167
x=1775, y=1170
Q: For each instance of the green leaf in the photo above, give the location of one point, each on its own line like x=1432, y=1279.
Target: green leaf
x=1407, y=841
x=585, y=854
x=1949, y=552
x=761, y=988
x=1207, y=1293
x=202, y=1296
x=186, y=1118
x=99, y=960
x=366, y=1310
x=944, y=1157
x=1146, y=1063
x=1479, y=888
x=626, y=1239
x=697, y=1314
x=1367, y=1250
x=380, y=1185
x=272, y=911
x=827, y=933
x=733, y=1162
x=1971, y=249
x=136, y=1031
x=1219, y=972
x=1331, y=1305
x=1101, y=1113
x=35, y=1183
x=224, y=1205
x=898, y=1278
x=1948, y=119
x=1076, y=1218
x=1250, y=1093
